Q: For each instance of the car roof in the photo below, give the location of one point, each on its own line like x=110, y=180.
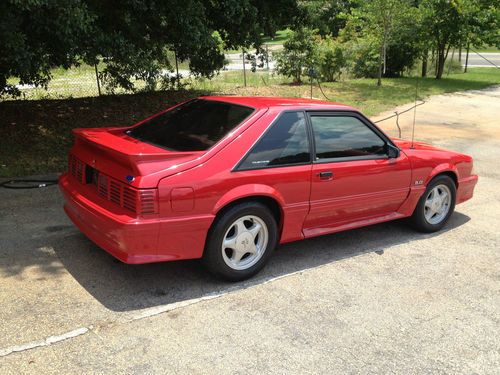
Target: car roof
x=266, y=102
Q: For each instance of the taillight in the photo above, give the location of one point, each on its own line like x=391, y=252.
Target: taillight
x=76, y=168
x=148, y=201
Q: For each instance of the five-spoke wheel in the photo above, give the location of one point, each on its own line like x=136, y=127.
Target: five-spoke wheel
x=436, y=205
x=245, y=242
x=240, y=241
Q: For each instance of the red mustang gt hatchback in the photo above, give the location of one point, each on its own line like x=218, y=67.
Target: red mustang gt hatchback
x=226, y=179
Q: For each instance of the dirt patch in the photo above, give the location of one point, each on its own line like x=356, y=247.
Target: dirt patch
x=458, y=116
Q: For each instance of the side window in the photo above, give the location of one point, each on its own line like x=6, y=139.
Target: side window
x=344, y=136
x=285, y=143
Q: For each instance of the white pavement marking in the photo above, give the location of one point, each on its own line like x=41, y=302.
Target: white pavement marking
x=46, y=342
x=152, y=311
x=146, y=313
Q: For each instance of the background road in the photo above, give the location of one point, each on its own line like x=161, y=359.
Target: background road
x=481, y=59
x=375, y=300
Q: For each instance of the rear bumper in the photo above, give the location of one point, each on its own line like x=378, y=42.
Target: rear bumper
x=134, y=240
x=466, y=188
x=130, y=240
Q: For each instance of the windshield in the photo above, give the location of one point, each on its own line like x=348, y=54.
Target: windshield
x=194, y=126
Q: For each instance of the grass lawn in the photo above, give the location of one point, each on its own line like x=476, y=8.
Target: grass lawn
x=360, y=93
x=280, y=37
x=78, y=82
x=35, y=135
x=488, y=49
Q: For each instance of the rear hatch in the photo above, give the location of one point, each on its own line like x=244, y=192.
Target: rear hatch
x=112, y=152
x=122, y=170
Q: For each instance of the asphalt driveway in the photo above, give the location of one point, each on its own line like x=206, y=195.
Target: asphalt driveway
x=375, y=300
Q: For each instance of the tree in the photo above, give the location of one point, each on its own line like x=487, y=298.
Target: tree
x=331, y=59
x=442, y=19
x=381, y=19
x=298, y=53
x=480, y=24
x=36, y=35
x=132, y=37
x=327, y=16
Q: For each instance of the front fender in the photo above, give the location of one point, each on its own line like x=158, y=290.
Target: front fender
x=441, y=168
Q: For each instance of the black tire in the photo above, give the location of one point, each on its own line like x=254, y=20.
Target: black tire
x=213, y=257
x=418, y=219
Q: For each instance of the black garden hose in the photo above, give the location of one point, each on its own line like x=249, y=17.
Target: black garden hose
x=27, y=184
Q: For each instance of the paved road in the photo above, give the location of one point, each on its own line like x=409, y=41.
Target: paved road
x=483, y=59
x=376, y=300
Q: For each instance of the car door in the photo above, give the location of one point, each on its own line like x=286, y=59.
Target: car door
x=353, y=178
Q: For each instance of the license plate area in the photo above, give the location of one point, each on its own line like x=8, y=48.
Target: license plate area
x=91, y=175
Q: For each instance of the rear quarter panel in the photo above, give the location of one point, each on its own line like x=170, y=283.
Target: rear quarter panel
x=215, y=185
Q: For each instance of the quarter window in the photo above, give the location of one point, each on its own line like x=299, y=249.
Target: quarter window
x=285, y=143
x=344, y=137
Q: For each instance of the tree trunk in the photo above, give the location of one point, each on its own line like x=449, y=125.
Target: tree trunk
x=244, y=70
x=424, y=64
x=440, y=64
x=379, y=76
x=451, y=61
x=442, y=54
x=467, y=57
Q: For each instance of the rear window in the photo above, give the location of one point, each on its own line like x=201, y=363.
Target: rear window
x=194, y=126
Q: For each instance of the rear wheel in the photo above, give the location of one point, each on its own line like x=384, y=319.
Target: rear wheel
x=436, y=205
x=241, y=241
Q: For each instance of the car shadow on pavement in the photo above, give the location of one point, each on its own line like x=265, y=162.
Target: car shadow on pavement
x=121, y=287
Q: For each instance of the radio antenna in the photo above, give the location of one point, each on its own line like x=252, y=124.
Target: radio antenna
x=414, y=115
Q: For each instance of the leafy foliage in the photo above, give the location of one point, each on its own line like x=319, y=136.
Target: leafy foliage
x=381, y=21
x=36, y=35
x=331, y=59
x=299, y=53
x=327, y=16
x=132, y=37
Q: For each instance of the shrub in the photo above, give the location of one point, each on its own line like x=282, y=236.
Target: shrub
x=331, y=59
x=298, y=54
x=362, y=57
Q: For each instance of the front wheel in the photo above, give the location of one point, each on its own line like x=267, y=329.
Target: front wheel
x=436, y=205
x=241, y=241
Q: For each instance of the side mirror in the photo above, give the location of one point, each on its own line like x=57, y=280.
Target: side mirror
x=392, y=151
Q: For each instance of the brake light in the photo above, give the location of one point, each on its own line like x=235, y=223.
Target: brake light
x=76, y=168
x=148, y=201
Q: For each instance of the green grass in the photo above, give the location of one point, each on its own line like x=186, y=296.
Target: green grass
x=488, y=49
x=360, y=93
x=77, y=82
x=280, y=37
x=363, y=94
x=35, y=135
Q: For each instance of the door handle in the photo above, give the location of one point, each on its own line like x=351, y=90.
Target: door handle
x=325, y=175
